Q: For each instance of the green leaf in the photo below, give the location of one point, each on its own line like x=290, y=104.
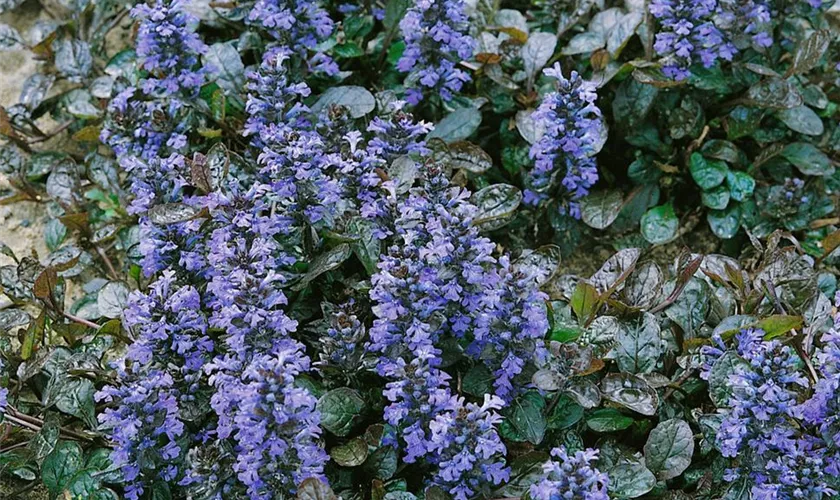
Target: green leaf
x=340, y=410
x=394, y=12
x=584, y=299
x=660, y=224
x=608, y=420
x=638, y=347
x=741, y=185
x=725, y=223
x=112, y=298
x=226, y=66
x=61, y=465
x=601, y=208
x=348, y=50
x=82, y=485
x=630, y=480
x=716, y=198
x=669, y=449
x=778, y=325
x=478, y=381
x=323, y=263
x=565, y=414
x=350, y=454
x=742, y=122
x=357, y=100
x=525, y=470
x=54, y=234
x=802, y=119
x=71, y=395
x=526, y=417
x=707, y=173
x=457, y=126
x=382, y=463
x=633, y=101
x=367, y=247
x=808, y=159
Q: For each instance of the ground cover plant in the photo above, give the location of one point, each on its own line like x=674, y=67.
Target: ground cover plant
x=439, y=249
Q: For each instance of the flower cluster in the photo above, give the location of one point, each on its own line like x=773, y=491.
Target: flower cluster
x=149, y=120
x=571, y=477
x=441, y=281
x=688, y=35
x=436, y=40
x=822, y=410
x=171, y=328
x=146, y=429
x=751, y=18
x=466, y=446
x=297, y=24
x=274, y=423
x=762, y=426
x=563, y=155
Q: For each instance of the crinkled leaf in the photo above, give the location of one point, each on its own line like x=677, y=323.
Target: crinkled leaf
x=537, y=51
x=644, y=285
x=72, y=57
x=225, y=64
x=774, y=93
x=809, y=52
x=631, y=392
x=716, y=198
x=601, y=208
x=468, y=156
x=357, y=100
x=112, y=298
x=350, y=454
x=669, y=449
x=741, y=185
x=313, y=488
x=340, y=410
x=707, y=173
x=496, y=205
x=61, y=465
x=638, y=344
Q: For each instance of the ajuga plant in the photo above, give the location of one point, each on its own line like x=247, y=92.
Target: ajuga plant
x=300, y=249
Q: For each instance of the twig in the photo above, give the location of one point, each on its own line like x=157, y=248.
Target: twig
x=54, y=132
x=81, y=321
x=111, y=271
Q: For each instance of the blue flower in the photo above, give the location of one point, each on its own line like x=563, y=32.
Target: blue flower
x=436, y=34
x=688, y=35
x=572, y=477
x=563, y=156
